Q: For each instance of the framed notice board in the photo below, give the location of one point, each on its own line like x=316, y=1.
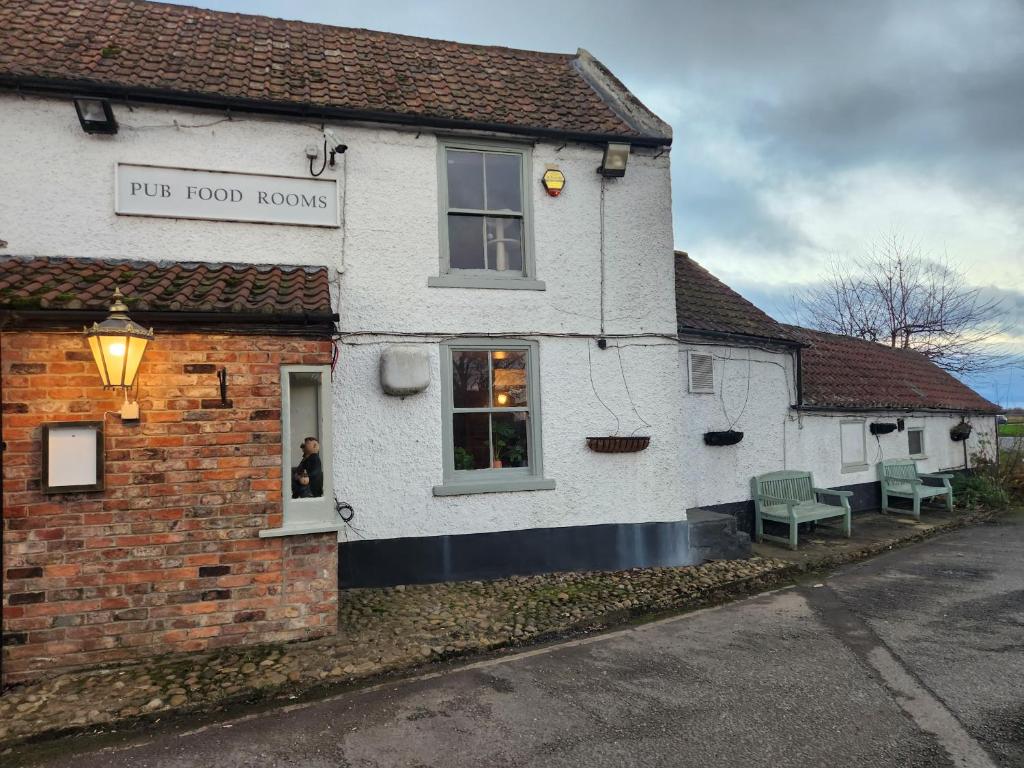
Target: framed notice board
x=72, y=457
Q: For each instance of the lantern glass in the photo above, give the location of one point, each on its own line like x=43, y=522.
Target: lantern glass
x=118, y=357
x=117, y=345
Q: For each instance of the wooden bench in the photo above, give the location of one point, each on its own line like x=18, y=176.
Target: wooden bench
x=789, y=496
x=900, y=478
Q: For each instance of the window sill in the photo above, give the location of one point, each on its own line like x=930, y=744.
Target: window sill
x=495, y=486
x=485, y=281
x=850, y=468
x=299, y=529
x=918, y=456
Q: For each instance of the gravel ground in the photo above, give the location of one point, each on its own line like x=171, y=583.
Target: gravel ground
x=396, y=629
x=380, y=630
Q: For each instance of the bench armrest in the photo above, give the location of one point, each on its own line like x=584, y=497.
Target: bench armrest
x=937, y=475
x=831, y=492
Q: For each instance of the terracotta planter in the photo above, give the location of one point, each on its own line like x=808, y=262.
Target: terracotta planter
x=615, y=444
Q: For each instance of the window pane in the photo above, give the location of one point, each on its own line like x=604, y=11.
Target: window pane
x=510, y=445
x=851, y=435
x=465, y=179
x=915, y=437
x=307, y=474
x=509, y=371
x=505, y=244
x=472, y=449
x=469, y=379
x=466, y=242
x=504, y=182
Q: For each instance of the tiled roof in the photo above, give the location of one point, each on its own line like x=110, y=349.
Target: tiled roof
x=169, y=49
x=704, y=304
x=84, y=285
x=844, y=372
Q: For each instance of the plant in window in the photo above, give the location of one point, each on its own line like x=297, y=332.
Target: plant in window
x=509, y=446
x=463, y=458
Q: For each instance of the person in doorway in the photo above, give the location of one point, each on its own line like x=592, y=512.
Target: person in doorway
x=308, y=477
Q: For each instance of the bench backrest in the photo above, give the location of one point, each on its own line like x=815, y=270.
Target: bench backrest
x=786, y=484
x=898, y=470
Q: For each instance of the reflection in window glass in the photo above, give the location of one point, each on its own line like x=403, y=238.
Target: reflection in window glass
x=491, y=409
x=470, y=388
x=504, y=174
x=305, y=429
x=466, y=242
x=504, y=244
x=509, y=378
x=465, y=179
x=480, y=184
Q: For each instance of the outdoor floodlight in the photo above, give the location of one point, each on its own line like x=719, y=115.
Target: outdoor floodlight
x=614, y=162
x=96, y=116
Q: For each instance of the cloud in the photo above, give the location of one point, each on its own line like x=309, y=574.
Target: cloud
x=803, y=128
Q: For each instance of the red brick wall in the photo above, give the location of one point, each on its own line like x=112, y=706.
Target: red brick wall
x=167, y=558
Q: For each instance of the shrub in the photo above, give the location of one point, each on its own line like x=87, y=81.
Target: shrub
x=992, y=483
x=980, y=490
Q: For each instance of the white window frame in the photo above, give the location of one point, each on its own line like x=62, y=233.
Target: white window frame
x=486, y=278
x=306, y=515
x=460, y=482
x=857, y=466
x=694, y=388
x=924, y=451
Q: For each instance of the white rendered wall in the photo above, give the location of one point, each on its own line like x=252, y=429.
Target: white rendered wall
x=388, y=450
x=753, y=392
x=778, y=437
x=814, y=439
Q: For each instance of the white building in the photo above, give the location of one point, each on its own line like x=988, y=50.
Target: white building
x=807, y=400
x=514, y=323
x=498, y=230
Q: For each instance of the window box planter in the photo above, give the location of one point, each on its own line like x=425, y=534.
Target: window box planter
x=615, y=444
x=728, y=437
x=883, y=427
x=960, y=432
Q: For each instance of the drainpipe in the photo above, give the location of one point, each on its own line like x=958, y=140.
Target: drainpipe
x=799, y=379
x=966, y=467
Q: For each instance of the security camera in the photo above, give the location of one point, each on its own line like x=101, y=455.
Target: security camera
x=337, y=148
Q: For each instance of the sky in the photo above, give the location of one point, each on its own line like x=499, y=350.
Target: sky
x=803, y=130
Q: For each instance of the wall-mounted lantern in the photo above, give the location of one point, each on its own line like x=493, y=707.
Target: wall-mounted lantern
x=96, y=116
x=553, y=181
x=613, y=164
x=117, y=345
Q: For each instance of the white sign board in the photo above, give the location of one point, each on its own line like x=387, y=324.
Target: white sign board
x=71, y=456
x=185, y=193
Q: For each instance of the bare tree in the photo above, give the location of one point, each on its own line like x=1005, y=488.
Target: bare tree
x=895, y=294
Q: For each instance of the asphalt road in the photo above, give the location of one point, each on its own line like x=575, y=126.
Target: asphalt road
x=915, y=658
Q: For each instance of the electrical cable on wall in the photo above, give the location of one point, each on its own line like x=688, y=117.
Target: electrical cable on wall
x=593, y=386
x=632, y=404
x=603, y=182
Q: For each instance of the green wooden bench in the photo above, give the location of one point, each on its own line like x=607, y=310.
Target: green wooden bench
x=789, y=496
x=900, y=478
